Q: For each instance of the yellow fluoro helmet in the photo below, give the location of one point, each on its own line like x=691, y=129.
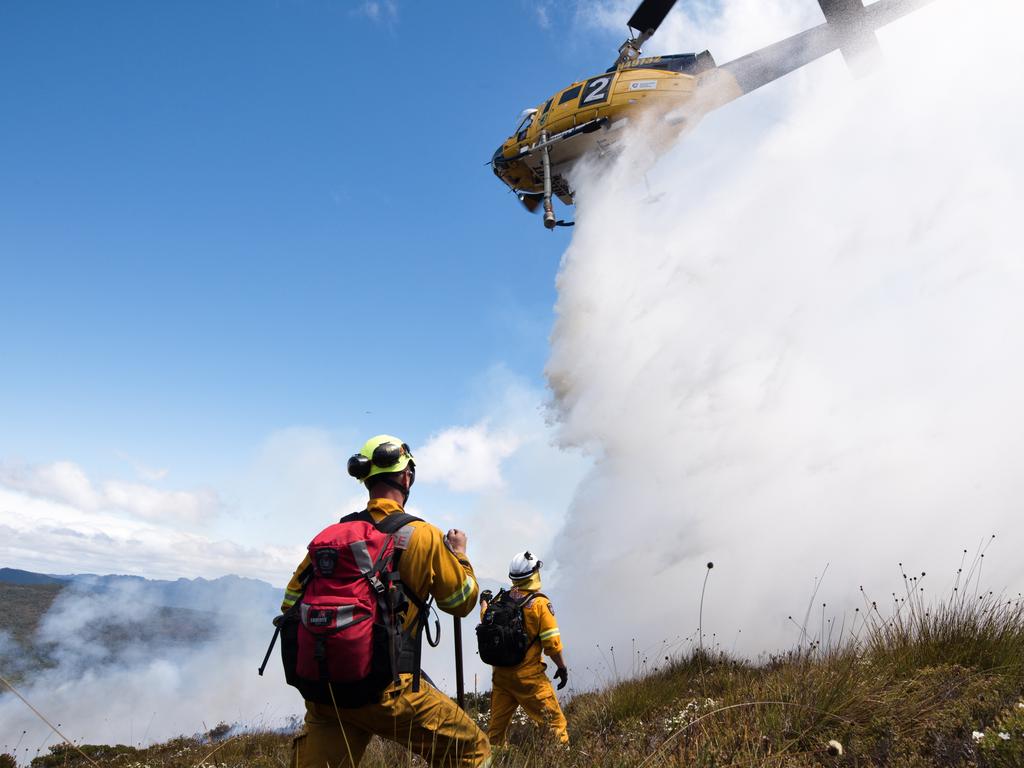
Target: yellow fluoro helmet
x=380, y=455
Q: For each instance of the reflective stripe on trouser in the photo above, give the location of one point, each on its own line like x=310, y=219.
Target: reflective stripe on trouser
x=428, y=722
x=535, y=695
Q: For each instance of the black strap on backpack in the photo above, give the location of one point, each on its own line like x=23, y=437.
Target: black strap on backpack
x=390, y=525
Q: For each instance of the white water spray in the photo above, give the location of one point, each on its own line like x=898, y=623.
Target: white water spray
x=807, y=352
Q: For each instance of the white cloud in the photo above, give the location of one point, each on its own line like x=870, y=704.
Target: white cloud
x=144, y=471
x=151, y=503
x=467, y=459
x=543, y=20
x=524, y=480
x=383, y=11
x=62, y=481
x=57, y=537
x=67, y=482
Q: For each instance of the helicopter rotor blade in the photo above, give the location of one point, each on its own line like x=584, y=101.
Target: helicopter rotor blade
x=860, y=48
x=649, y=15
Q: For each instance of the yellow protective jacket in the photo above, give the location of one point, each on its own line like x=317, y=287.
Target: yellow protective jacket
x=428, y=567
x=538, y=622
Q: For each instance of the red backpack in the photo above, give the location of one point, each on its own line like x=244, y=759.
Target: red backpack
x=343, y=642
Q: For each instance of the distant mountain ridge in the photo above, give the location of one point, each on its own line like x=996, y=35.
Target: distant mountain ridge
x=180, y=593
x=16, y=576
x=162, y=618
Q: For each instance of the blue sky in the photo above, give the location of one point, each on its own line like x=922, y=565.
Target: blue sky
x=212, y=214
x=221, y=221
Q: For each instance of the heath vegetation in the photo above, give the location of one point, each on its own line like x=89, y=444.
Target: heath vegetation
x=918, y=681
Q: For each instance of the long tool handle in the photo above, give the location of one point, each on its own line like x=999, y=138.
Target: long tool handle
x=263, y=666
x=460, y=688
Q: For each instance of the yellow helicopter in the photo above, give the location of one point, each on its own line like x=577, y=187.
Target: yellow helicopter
x=672, y=92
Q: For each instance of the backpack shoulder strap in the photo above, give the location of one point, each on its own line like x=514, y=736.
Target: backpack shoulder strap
x=526, y=603
x=395, y=525
x=392, y=525
x=358, y=517
x=395, y=522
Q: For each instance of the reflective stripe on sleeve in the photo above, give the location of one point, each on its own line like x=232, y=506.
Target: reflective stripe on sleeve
x=459, y=596
x=290, y=598
x=548, y=634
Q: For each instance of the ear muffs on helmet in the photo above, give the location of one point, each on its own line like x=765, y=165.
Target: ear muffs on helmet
x=359, y=466
x=387, y=454
x=384, y=455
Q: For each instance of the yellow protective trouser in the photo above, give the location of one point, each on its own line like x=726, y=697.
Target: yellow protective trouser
x=534, y=694
x=428, y=723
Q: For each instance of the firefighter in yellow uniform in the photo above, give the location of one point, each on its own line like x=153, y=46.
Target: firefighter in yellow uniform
x=433, y=564
x=526, y=685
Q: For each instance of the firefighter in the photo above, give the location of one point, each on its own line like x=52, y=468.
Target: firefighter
x=432, y=565
x=525, y=684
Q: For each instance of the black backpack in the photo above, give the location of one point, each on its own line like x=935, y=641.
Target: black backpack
x=501, y=635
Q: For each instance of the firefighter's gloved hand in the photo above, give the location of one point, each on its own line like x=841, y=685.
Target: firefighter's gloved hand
x=562, y=676
x=456, y=541
x=486, y=596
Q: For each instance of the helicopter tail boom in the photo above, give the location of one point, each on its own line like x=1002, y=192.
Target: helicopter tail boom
x=849, y=27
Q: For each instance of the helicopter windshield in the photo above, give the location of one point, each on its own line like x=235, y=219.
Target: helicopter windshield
x=523, y=122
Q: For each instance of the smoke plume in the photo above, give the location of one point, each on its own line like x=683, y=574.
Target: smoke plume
x=115, y=664
x=798, y=345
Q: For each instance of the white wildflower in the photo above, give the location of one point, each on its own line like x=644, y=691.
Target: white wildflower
x=977, y=735
x=1004, y=736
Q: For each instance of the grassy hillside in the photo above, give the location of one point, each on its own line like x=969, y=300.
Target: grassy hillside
x=917, y=688
x=23, y=605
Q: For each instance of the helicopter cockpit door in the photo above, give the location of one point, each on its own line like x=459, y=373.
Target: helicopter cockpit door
x=524, y=122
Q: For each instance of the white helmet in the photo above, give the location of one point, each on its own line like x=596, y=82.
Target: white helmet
x=523, y=565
